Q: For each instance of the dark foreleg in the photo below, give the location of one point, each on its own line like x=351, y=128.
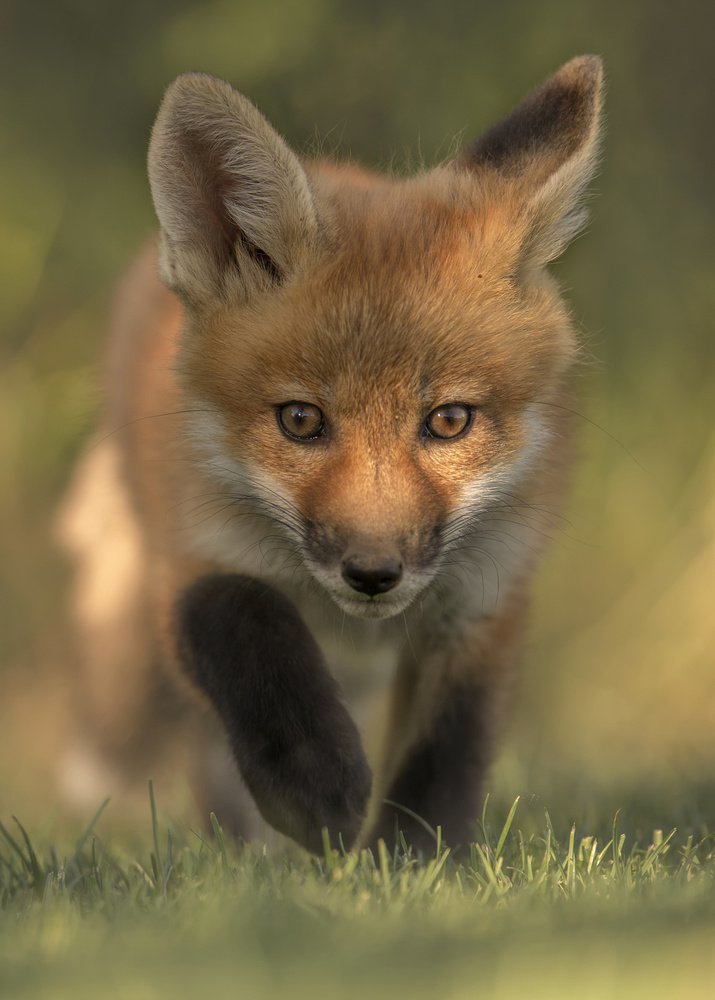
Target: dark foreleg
x=448, y=706
x=299, y=752
x=441, y=775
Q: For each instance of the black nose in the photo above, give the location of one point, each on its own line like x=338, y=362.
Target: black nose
x=371, y=573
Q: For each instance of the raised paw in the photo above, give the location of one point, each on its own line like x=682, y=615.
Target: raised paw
x=297, y=748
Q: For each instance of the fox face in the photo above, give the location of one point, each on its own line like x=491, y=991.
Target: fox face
x=378, y=380
x=374, y=442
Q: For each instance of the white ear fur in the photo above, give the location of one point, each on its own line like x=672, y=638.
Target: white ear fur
x=232, y=199
x=542, y=156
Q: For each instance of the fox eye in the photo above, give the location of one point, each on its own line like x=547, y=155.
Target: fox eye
x=448, y=421
x=303, y=421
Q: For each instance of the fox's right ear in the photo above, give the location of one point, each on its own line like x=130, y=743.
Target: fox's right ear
x=232, y=199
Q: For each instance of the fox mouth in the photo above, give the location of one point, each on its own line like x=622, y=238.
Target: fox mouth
x=371, y=607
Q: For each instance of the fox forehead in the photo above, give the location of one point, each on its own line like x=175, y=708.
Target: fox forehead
x=411, y=295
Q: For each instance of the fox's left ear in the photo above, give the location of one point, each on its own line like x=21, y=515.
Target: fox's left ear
x=539, y=159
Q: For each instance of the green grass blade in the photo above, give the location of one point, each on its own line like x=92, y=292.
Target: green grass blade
x=15, y=846
x=409, y=812
x=155, y=831
x=505, y=829
x=167, y=865
x=218, y=834
x=34, y=865
x=83, y=839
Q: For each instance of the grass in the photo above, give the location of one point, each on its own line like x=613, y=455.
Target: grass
x=549, y=913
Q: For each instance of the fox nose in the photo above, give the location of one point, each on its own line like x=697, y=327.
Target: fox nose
x=371, y=573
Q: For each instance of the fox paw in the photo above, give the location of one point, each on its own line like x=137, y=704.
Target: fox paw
x=296, y=746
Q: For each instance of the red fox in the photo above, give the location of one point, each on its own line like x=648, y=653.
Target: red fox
x=341, y=412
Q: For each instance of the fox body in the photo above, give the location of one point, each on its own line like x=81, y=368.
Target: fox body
x=342, y=416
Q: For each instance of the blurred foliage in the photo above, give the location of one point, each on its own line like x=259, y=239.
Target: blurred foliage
x=623, y=650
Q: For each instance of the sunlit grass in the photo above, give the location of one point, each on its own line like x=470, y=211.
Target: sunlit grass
x=180, y=913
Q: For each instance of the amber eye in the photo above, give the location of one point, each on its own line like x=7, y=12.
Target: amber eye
x=301, y=420
x=448, y=421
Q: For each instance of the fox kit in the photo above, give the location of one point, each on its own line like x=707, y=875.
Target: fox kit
x=335, y=434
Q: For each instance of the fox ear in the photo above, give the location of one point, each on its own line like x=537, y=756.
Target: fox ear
x=232, y=199
x=542, y=156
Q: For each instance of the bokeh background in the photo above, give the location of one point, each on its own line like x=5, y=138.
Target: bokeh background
x=618, y=691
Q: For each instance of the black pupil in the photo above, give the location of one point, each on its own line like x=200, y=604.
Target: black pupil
x=301, y=420
x=451, y=415
x=448, y=421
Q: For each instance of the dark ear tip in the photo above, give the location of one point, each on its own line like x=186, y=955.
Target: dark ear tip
x=556, y=118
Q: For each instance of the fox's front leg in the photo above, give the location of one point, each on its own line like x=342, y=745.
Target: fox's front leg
x=296, y=746
x=447, y=708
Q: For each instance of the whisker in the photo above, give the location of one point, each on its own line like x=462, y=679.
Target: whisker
x=148, y=416
x=594, y=423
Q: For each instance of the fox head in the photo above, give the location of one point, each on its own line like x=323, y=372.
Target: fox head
x=375, y=364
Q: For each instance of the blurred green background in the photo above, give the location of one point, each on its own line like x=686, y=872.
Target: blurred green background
x=618, y=689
